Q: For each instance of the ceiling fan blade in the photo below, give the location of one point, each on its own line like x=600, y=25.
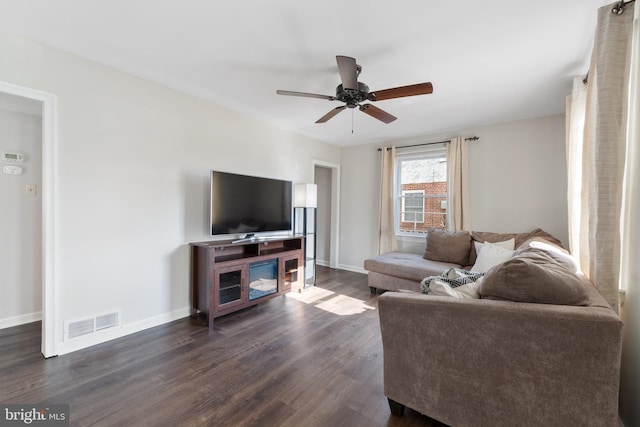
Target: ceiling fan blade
x=330, y=114
x=305, y=95
x=399, y=92
x=348, y=72
x=377, y=113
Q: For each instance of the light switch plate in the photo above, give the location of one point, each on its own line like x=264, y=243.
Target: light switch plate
x=30, y=190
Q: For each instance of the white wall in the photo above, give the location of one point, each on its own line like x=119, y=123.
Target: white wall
x=519, y=177
x=131, y=180
x=21, y=219
x=359, y=193
x=517, y=182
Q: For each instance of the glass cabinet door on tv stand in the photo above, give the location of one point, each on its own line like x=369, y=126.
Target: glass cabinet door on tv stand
x=230, y=286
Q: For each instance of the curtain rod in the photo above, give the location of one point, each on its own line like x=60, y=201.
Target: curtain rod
x=473, y=138
x=618, y=9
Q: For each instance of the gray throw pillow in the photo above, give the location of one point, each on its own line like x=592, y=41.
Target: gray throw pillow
x=535, y=277
x=448, y=246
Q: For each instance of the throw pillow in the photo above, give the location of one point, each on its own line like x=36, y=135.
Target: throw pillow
x=485, y=236
x=471, y=290
x=490, y=256
x=455, y=282
x=535, y=277
x=448, y=246
x=507, y=244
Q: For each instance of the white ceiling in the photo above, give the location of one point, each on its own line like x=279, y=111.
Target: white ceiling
x=489, y=61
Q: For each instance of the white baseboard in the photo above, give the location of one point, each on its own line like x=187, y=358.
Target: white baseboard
x=352, y=268
x=343, y=267
x=20, y=320
x=124, y=330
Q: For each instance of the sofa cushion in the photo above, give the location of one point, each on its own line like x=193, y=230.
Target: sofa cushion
x=406, y=265
x=535, y=277
x=555, y=251
x=448, y=246
x=487, y=236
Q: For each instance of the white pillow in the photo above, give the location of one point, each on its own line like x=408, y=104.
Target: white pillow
x=491, y=255
x=507, y=244
x=470, y=290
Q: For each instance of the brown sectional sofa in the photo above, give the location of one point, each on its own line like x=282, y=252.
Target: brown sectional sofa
x=395, y=271
x=541, y=347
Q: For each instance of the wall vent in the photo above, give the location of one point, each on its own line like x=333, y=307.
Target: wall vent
x=78, y=328
x=106, y=321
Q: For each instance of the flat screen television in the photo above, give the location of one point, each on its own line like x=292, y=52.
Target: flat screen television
x=242, y=204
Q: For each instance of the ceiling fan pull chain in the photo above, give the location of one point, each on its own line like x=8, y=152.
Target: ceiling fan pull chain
x=352, y=121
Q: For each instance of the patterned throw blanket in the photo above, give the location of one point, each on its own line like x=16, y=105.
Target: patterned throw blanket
x=453, y=277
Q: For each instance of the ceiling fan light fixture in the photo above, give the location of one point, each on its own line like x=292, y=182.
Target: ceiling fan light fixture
x=352, y=97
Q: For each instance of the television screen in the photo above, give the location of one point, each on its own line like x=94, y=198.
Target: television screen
x=242, y=204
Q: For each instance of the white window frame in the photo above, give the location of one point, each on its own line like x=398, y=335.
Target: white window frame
x=414, y=153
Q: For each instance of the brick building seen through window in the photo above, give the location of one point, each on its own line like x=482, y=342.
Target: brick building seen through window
x=422, y=194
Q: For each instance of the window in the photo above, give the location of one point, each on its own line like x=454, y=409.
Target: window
x=421, y=191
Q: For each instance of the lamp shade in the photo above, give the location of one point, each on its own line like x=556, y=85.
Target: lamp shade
x=305, y=196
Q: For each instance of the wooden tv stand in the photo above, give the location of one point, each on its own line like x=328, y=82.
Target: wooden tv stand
x=229, y=275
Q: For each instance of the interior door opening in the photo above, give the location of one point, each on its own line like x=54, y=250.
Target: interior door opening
x=19, y=102
x=327, y=179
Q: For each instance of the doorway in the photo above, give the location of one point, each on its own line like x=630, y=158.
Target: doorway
x=327, y=179
x=43, y=105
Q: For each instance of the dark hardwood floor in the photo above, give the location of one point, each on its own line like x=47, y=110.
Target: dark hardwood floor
x=308, y=359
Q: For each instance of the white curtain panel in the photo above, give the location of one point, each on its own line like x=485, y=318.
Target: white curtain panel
x=458, y=205
x=630, y=261
x=630, y=271
x=603, y=154
x=386, y=226
x=575, y=117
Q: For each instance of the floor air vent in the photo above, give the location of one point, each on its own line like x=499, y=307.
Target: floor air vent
x=78, y=328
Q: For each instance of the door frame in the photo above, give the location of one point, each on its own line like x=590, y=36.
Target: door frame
x=335, y=210
x=49, y=143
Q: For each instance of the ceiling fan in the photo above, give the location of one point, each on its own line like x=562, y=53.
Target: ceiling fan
x=352, y=92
